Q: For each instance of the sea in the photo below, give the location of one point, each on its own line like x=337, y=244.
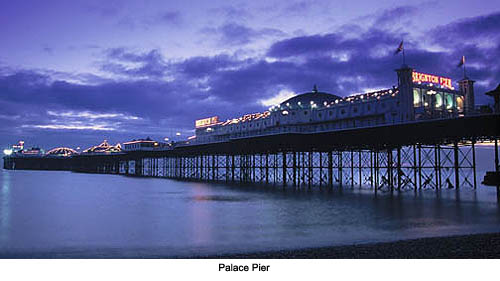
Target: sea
x=59, y=214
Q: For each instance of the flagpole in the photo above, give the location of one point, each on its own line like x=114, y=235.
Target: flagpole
x=404, y=61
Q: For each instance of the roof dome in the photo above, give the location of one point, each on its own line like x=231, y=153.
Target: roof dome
x=62, y=151
x=311, y=97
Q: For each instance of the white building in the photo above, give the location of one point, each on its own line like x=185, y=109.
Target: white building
x=418, y=96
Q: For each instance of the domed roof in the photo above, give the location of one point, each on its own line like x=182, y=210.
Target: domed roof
x=311, y=97
x=62, y=151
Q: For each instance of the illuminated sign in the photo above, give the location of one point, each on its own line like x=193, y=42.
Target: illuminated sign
x=428, y=78
x=206, y=122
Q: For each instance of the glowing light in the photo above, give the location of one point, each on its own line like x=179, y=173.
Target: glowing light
x=191, y=137
x=200, y=123
x=431, y=79
x=166, y=139
x=7, y=152
x=177, y=134
x=284, y=112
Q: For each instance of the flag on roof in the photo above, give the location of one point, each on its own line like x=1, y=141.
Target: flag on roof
x=462, y=62
x=399, y=49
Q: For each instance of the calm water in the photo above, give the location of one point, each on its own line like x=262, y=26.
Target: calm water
x=68, y=214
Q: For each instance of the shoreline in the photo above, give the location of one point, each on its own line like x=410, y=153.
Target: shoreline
x=471, y=246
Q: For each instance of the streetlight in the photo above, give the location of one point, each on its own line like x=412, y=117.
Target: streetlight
x=166, y=139
x=7, y=151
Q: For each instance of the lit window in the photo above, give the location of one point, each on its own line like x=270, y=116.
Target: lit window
x=417, y=98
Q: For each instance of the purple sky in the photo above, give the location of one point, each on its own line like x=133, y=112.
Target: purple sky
x=75, y=72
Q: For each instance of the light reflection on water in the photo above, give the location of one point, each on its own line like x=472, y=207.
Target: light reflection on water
x=72, y=215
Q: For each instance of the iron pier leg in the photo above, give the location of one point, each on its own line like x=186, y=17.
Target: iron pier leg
x=352, y=168
x=340, y=168
x=232, y=168
x=360, y=168
x=419, y=166
x=399, y=171
x=310, y=169
x=439, y=165
x=320, y=170
x=253, y=167
x=330, y=169
x=389, y=169
x=267, y=168
x=457, y=176
x=371, y=168
x=295, y=169
x=436, y=166
x=284, y=169
x=415, y=168
x=376, y=170
x=497, y=168
x=474, y=161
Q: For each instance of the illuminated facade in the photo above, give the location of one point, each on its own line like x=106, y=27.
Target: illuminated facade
x=418, y=96
x=104, y=147
x=62, y=152
x=142, y=144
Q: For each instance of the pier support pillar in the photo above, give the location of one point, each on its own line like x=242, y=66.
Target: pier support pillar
x=456, y=165
x=284, y=169
x=497, y=167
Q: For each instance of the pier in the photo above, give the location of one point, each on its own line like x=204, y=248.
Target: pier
x=414, y=155
x=421, y=134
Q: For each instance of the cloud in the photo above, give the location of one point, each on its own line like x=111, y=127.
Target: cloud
x=469, y=31
x=91, y=115
x=170, y=18
x=389, y=17
x=151, y=95
x=232, y=13
x=121, y=61
x=99, y=127
x=237, y=34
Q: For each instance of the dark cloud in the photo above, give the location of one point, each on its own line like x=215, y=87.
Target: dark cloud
x=238, y=34
x=469, y=30
x=167, y=18
x=320, y=45
x=170, y=17
x=144, y=65
x=396, y=15
x=174, y=18
x=239, y=13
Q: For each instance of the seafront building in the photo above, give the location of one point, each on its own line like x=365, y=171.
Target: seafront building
x=418, y=96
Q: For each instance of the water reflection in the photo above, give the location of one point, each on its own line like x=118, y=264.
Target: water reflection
x=4, y=206
x=54, y=211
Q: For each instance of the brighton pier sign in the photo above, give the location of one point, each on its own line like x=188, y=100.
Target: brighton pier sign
x=433, y=79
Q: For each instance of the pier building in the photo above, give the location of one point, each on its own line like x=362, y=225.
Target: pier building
x=417, y=96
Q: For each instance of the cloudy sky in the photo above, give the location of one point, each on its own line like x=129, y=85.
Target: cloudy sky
x=75, y=72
